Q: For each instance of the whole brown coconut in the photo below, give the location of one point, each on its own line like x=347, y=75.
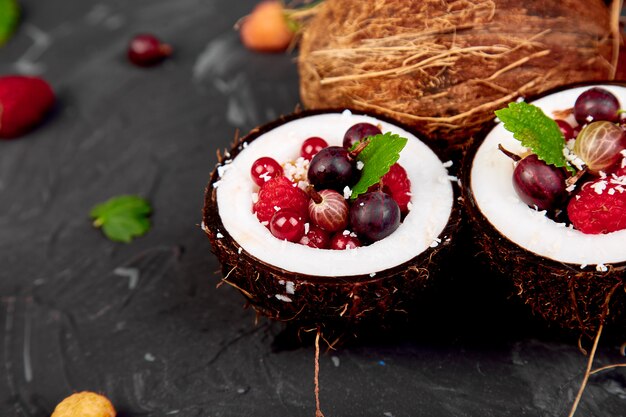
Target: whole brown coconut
x=571, y=280
x=445, y=66
x=303, y=295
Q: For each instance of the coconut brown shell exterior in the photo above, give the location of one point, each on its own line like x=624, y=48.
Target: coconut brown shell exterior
x=316, y=300
x=443, y=67
x=563, y=295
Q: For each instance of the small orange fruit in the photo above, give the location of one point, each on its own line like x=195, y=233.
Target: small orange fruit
x=265, y=29
x=84, y=404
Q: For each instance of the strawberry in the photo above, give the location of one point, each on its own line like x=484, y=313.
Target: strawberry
x=266, y=29
x=599, y=206
x=24, y=102
x=396, y=183
x=277, y=194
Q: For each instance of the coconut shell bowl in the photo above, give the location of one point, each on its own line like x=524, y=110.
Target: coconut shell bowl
x=564, y=249
x=302, y=279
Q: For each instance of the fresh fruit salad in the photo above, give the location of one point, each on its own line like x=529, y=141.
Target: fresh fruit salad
x=574, y=166
x=310, y=199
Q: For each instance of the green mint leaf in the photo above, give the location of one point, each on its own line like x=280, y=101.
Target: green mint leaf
x=381, y=152
x=122, y=218
x=9, y=18
x=530, y=125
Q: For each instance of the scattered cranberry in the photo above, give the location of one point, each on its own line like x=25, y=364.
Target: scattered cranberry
x=287, y=224
x=264, y=169
x=312, y=146
x=146, y=50
x=342, y=240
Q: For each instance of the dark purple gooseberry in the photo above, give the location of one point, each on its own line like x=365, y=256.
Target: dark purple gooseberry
x=374, y=216
x=538, y=184
x=359, y=132
x=596, y=104
x=333, y=167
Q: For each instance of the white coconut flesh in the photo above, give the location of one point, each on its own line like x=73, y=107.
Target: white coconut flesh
x=492, y=186
x=431, y=201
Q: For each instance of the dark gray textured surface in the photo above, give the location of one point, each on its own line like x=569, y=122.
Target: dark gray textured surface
x=167, y=342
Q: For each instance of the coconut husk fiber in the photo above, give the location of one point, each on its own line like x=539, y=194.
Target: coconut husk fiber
x=444, y=66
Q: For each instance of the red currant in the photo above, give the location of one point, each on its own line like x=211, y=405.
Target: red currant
x=341, y=241
x=264, y=169
x=316, y=237
x=288, y=225
x=311, y=146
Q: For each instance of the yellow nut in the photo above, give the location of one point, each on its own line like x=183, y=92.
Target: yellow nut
x=84, y=404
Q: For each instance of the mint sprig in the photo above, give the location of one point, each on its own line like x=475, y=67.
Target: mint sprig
x=530, y=125
x=122, y=218
x=380, y=153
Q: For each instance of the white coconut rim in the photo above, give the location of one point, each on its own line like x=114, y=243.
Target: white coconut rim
x=431, y=201
x=492, y=187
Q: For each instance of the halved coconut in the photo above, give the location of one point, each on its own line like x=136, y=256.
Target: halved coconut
x=569, y=278
x=288, y=281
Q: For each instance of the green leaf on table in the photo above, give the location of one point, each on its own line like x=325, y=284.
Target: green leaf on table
x=530, y=125
x=122, y=218
x=9, y=18
x=381, y=152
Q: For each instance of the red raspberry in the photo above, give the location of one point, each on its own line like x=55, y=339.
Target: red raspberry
x=24, y=102
x=595, y=213
x=280, y=193
x=396, y=183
